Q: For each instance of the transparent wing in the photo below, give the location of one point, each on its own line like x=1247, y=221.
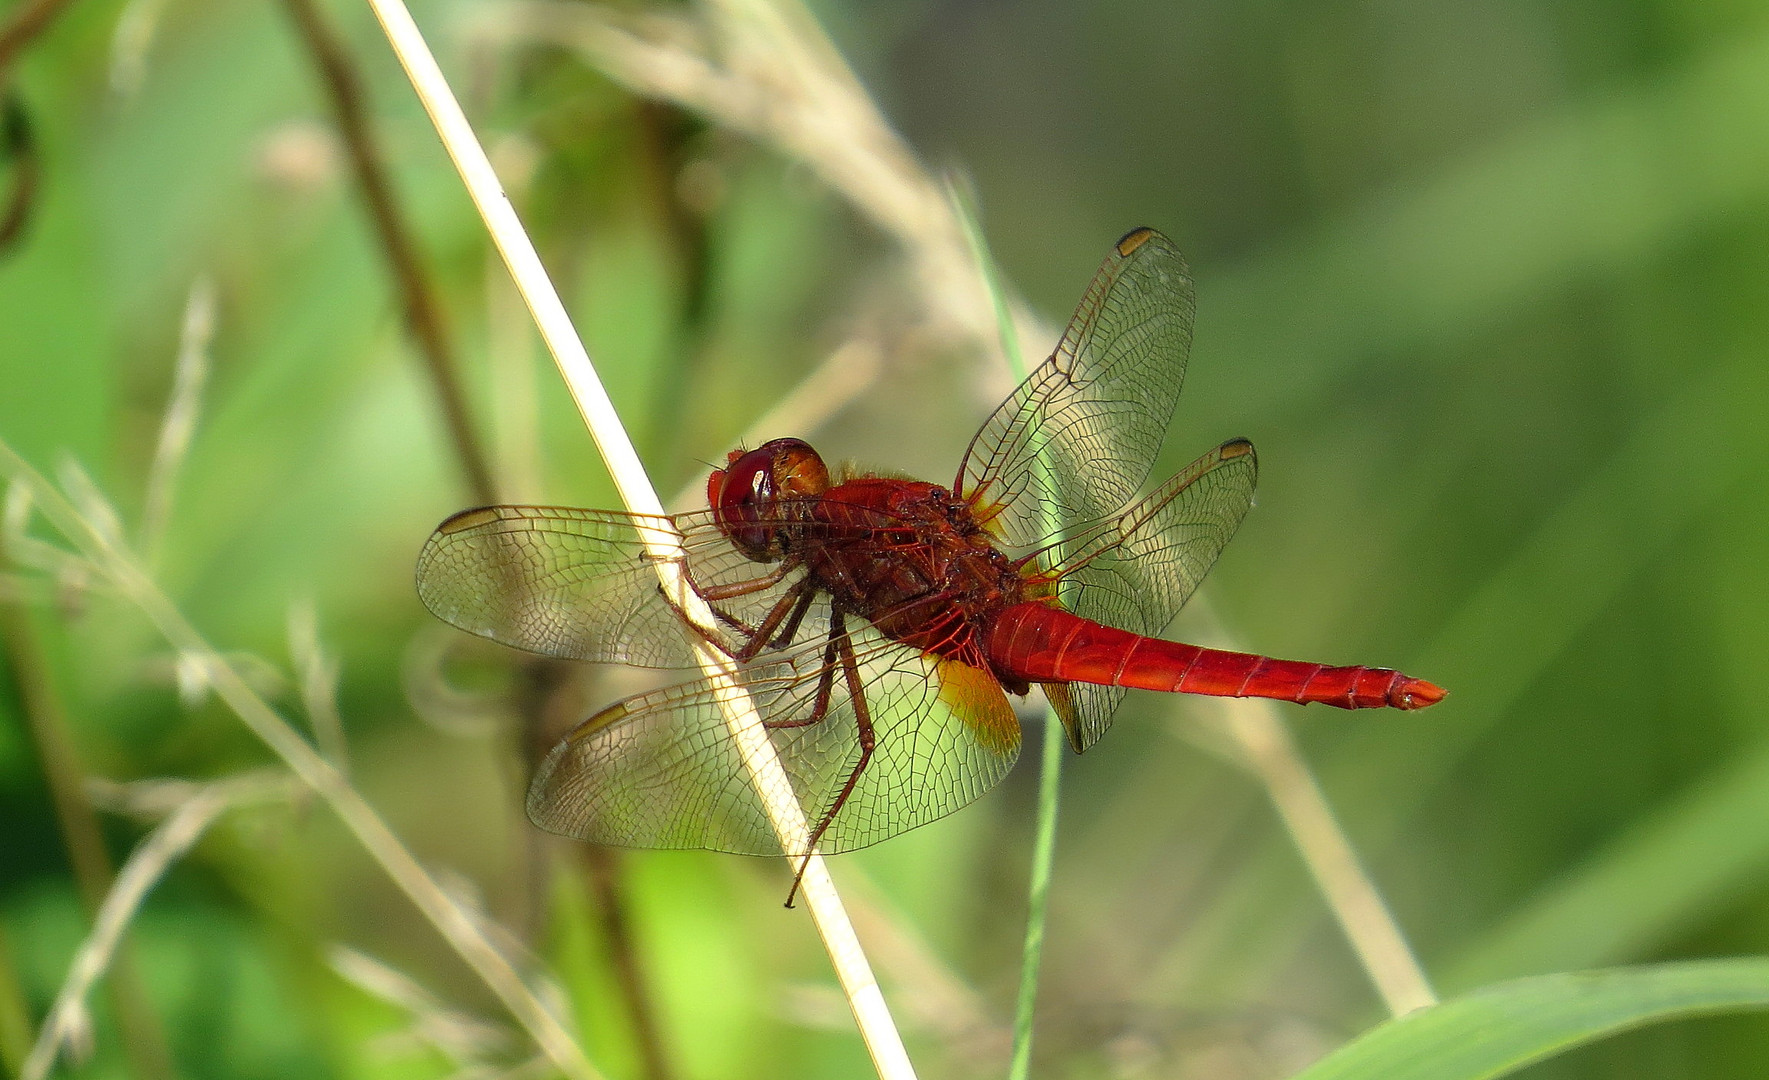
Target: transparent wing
x=580, y=584
x=1076, y=440
x=1137, y=569
x=663, y=770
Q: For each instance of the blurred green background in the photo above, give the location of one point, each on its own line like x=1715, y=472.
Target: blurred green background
x=1487, y=284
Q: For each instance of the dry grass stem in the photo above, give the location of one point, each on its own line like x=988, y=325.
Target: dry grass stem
x=317, y=674
x=756, y=750
x=68, y=1023
x=457, y=927
x=1381, y=948
x=159, y=797
x=131, y=41
x=783, y=83
x=47, y=723
x=189, y=374
x=465, y=1039
x=23, y=549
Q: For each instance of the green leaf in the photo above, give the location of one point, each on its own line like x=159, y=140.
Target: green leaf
x=1500, y=1029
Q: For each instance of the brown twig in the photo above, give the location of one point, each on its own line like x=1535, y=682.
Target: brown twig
x=423, y=314
x=15, y=1021
x=424, y=317
x=46, y=721
x=16, y=142
x=30, y=19
x=19, y=145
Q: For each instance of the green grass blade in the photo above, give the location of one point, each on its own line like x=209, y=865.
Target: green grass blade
x=973, y=235
x=1497, y=1030
x=1043, y=853
x=1051, y=762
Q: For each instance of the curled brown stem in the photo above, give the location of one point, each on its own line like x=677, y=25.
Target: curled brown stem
x=423, y=313
x=18, y=145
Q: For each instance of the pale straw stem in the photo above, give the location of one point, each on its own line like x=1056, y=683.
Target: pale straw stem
x=149, y=862
x=383, y=845
x=180, y=422
x=467, y=1040
x=318, y=675
x=754, y=747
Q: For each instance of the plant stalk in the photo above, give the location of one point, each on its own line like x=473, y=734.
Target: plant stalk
x=1050, y=772
x=46, y=720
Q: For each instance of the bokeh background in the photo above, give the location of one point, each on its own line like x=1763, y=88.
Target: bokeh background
x=1487, y=283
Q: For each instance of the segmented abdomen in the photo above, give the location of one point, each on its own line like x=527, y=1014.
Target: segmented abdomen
x=1038, y=643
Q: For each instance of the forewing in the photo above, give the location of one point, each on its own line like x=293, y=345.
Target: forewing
x=1075, y=441
x=1136, y=570
x=581, y=584
x=663, y=770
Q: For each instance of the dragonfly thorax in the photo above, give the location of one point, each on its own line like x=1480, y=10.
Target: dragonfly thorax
x=912, y=560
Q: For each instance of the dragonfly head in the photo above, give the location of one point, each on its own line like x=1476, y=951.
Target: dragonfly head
x=745, y=495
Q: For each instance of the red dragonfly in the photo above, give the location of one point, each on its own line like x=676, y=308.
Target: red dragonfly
x=880, y=623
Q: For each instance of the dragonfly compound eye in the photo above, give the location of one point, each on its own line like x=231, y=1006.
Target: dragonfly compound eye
x=746, y=494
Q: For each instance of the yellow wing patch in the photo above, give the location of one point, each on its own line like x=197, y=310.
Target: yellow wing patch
x=975, y=696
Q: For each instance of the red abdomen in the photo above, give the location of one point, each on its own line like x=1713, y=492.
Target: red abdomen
x=1038, y=643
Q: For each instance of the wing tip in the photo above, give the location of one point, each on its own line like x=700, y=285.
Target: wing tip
x=1135, y=238
x=467, y=519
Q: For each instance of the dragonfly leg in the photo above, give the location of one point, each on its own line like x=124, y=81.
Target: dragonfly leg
x=755, y=637
x=825, y=687
x=867, y=739
x=791, y=608
x=791, y=629
x=712, y=594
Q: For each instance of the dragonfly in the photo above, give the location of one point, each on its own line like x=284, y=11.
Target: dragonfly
x=880, y=624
